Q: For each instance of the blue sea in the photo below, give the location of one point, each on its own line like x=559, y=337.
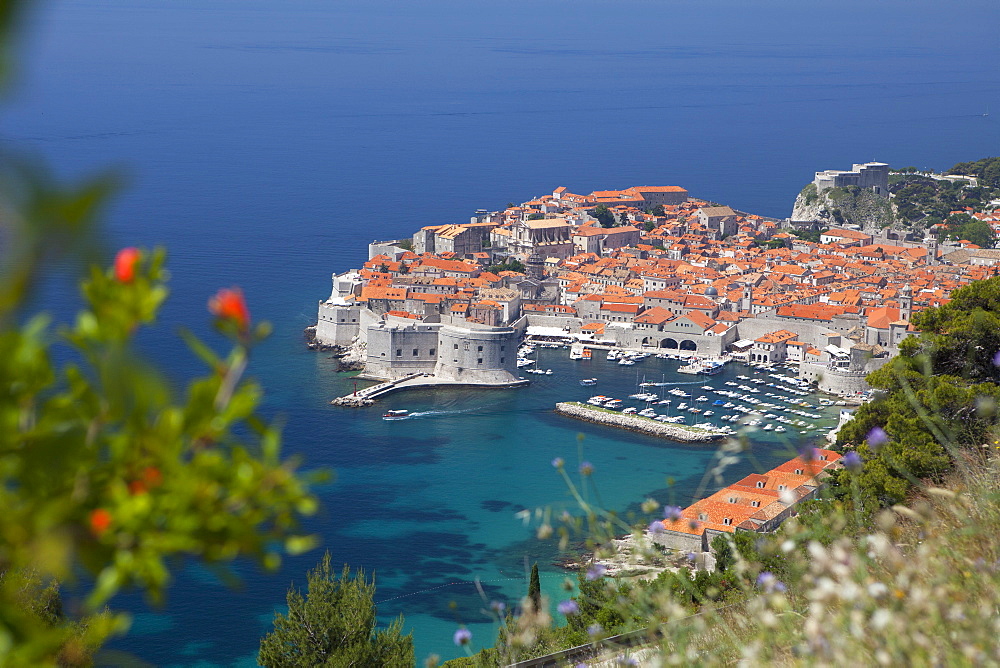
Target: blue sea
x=265, y=144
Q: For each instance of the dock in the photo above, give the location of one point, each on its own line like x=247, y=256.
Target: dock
x=675, y=432
x=367, y=396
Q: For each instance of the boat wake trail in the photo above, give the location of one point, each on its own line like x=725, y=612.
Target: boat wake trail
x=420, y=414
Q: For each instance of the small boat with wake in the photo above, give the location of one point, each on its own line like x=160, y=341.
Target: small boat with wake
x=396, y=414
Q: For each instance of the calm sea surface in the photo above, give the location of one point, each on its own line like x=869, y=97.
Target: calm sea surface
x=266, y=143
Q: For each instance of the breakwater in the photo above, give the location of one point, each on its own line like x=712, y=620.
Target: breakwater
x=674, y=432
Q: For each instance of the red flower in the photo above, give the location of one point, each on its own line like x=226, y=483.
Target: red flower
x=100, y=521
x=137, y=487
x=152, y=476
x=228, y=304
x=125, y=263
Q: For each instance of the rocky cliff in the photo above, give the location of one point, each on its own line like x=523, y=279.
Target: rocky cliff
x=843, y=206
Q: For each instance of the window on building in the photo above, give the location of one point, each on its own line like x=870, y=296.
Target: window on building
x=727, y=521
x=479, y=361
x=732, y=499
x=760, y=483
x=755, y=504
x=456, y=346
x=433, y=351
x=502, y=348
x=703, y=517
x=781, y=488
x=798, y=471
x=399, y=352
x=501, y=360
x=479, y=349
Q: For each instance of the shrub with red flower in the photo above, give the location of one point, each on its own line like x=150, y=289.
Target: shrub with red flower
x=228, y=304
x=125, y=263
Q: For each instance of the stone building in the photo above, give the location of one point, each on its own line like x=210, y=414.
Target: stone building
x=551, y=237
x=872, y=176
x=471, y=354
x=721, y=220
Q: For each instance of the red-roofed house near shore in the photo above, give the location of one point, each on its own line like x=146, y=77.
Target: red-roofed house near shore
x=758, y=503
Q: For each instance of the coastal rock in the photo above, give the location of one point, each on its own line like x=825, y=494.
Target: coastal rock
x=843, y=206
x=674, y=432
x=312, y=344
x=352, y=401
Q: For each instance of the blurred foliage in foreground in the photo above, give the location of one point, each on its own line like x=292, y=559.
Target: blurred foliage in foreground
x=105, y=469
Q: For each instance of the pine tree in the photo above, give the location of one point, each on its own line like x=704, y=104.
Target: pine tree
x=334, y=625
x=535, y=588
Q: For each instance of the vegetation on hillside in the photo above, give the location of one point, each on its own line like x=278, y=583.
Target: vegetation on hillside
x=940, y=397
x=987, y=170
x=962, y=226
x=920, y=199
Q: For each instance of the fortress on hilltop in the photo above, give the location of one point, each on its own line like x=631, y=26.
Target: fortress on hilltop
x=872, y=176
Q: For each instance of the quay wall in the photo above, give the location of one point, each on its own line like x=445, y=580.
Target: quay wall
x=839, y=381
x=637, y=423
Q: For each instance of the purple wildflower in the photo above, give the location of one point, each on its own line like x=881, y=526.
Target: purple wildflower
x=877, y=438
x=596, y=572
x=769, y=583
x=996, y=359
x=568, y=607
x=595, y=629
x=463, y=637
x=586, y=468
x=690, y=556
x=808, y=453
x=558, y=462
x=656, y=527
x=853, y=462
x=672, y=513
x=498, y=607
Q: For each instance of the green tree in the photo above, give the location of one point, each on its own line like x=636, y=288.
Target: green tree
x=334, y=625
x=535, y=588
x=536, y=216
x=512, y=264
x=964, y=226
x=939, y=397
x=406, y=244
x=604, y=216
x=658, y=210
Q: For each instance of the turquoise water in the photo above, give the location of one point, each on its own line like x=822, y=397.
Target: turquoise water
x=266, y=144
x=472, y=459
